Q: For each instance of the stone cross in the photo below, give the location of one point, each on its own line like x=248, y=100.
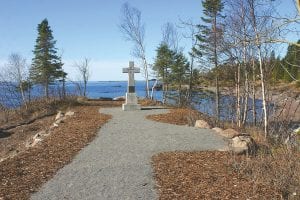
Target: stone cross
x=131, y=70
x=131, y=102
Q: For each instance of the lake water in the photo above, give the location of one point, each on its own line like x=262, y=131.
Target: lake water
x=203, y=102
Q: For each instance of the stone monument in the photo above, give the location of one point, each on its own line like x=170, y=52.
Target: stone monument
x=131, y=102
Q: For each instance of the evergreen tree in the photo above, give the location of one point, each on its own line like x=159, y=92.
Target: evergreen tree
x=179, y=72
x=46, y=65
x=163, y=61
x=210, y=38
x=211, y=31
x=162, y=65
x=179, y=69
x=291, y=63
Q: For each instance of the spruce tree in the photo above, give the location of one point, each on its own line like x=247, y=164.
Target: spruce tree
x=179, y=71
x=291, y=63
x=162, y=65
x=46, y=65
x=210, y=38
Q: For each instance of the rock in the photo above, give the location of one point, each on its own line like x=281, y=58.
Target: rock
x=60, y=120
x=36, y=139
x=217, y=129
x=69, y=113
x=297, y=130
x=229, y=133
x=54, y=125
x=242, y=144
x=202, y=124
x=59, y=115
x=39, y=135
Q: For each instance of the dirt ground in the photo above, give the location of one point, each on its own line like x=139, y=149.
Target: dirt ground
x=204, y=175
x=22, y=169
x=222, y=175
x=24, y=173
x=179, y=175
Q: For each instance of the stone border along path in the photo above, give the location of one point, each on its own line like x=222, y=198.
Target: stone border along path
x=116, y=165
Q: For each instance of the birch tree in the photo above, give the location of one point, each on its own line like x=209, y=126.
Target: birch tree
x=134, y=31
x=17, y=72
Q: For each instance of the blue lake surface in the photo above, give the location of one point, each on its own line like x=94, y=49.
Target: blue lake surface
x=204, y=102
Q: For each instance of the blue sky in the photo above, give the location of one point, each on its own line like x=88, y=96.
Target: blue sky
x=89, y=28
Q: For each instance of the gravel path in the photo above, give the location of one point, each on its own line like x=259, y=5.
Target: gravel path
x=117, y=164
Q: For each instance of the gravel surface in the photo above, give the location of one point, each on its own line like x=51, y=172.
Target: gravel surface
x=117, y=164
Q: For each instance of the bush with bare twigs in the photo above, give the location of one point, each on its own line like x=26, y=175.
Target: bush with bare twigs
x=279, y=168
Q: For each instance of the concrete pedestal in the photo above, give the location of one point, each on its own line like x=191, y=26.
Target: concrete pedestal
x=131, y=102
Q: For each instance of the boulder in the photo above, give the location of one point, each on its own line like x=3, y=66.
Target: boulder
x=297, y=130
x=217, y=129
x=59, y=115
x=69, y=113
x=229, y=133
x=202, y=124
x=54, y=125
x=39, y=135
x=242, y=144
x=35, y=139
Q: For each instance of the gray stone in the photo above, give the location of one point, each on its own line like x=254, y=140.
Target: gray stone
x=242, y=144
x=217, y=129
x=229, y=133
x=202, y=124
x=69, y=113
x=59, y=115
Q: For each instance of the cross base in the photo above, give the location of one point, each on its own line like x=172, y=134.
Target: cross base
x=131, y=103
x=131, y=107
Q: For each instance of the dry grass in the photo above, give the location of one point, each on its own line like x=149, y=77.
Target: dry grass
x=204, y=175
x=180, y=116
x=220, y=175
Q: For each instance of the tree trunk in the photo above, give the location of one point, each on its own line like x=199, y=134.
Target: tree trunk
x=146, y=77
x=253, y=93
x=238, y=97
x=262, y=79
x=152, y=90
x=216, y=66
x=23, y=95
x=47, y=89
x=191, y=80
x=217, y=99
x=84, y=89
x=246, y=99
x=64, y=88
x=164, y=86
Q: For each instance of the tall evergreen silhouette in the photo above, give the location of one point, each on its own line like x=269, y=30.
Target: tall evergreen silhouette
x=46, y=65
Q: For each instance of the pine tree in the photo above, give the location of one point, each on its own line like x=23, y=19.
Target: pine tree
x=210, y=37
x=46, y=65
x=291, y=63
x=162, y=65
x=179, y=71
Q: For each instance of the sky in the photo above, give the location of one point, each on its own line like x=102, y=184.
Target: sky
x=89, y=29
